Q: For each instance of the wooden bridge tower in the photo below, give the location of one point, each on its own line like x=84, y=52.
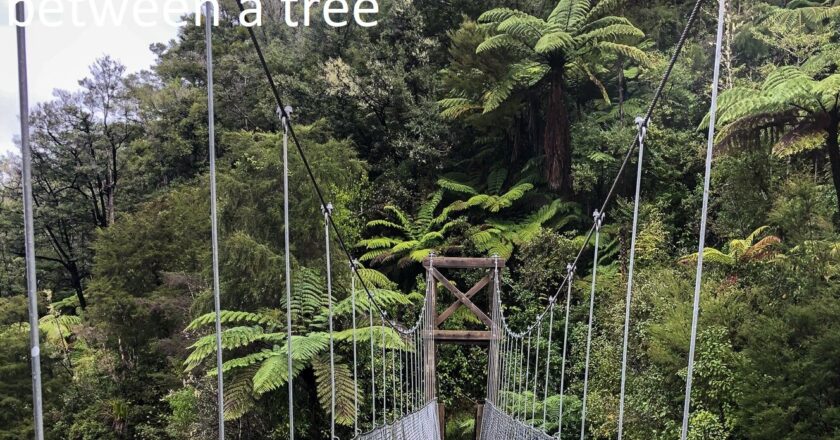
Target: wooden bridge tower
x=436, y=335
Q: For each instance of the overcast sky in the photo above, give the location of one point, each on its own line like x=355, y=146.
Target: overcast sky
x=60, y=56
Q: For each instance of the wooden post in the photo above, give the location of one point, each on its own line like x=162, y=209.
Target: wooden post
x=493, y=352
x=479, y=414
x=429, y=361
x=442, y=419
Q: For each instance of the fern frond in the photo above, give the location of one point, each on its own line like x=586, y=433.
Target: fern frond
x=603, y=22
x=496, y=179
x=570, y=14
x=231, y=338
x=239, y=395
x=374, y=278
x=554, y=43
x=497, y=42
x=602, y=8
x=274, y=373
x=524, y=28
x=454, y=108
x=392, y=339
x=498, y=15
x=384, y=297
x=378, y=242
x=344, y=388
x=228, y=317
x=613, y=33
x=632, y=53
x=801, y=139
x=762, y=249
x=451, y=185
x=244, y=361
x=710, y=255
x=400, y=215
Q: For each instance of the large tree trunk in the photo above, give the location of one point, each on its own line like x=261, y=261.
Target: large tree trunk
x=76, y=281
x=557, y=138
x=831, y=145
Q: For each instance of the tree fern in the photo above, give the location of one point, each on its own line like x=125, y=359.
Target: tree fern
x=739, y=251
x=416, y=235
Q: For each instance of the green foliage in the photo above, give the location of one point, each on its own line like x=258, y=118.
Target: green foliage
x=574, y=39
x=411, y=238
x=740, y=251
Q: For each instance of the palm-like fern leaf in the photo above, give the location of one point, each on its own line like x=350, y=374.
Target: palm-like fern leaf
x=228, y=317
x=499, y=15
x=344, y=388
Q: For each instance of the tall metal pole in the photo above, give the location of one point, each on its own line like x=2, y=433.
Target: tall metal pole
x=29, y=226
x=570, y=273
x=288, y=264
x=327, y=213
x=640, y=123
x=599, y=220
x=214, y=225
x=698, y=281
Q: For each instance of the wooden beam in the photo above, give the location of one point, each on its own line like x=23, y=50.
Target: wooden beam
x=471, y=337
x=429, y=359
x=451, y=309
x=463, y=298
x=464, y=263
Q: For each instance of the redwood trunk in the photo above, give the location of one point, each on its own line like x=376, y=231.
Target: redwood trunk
x=557, y=138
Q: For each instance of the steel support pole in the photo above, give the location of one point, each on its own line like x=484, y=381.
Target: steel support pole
x=29, y=226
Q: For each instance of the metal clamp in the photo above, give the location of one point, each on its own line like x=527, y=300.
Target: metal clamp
x=284, y=113
x=598, y=216
x=641, y=126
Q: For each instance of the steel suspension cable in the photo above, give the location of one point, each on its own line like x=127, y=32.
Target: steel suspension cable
x=505, y=370
x=570, y=271
x=327, y=210
x=29, y=226
x=284, y=118
x=536, y=372
x=493, y=370
x=214, y=222
x=526, y=381
x=548, y=361
x=631, y=265
x=372, y=368
x=355, y=358
x=519, y=344
x=393, y=384
x=698, y=280
x=599, y=221
x=384, y=375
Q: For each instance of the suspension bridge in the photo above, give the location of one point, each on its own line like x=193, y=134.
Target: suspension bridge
x=401, y=402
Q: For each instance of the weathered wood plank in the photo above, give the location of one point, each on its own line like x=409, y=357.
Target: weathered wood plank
x=464, y=263
x=429, y=358
x=471, y=337
x=463, y=298
x=470, y=293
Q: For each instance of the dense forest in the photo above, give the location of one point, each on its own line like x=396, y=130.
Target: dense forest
x=438, y=130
